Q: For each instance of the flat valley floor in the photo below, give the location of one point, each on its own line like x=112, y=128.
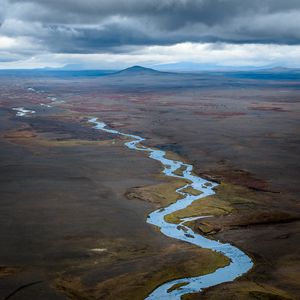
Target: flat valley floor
x=74, y=201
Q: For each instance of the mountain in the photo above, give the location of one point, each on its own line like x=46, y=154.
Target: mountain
x=186, y=66
x=281, y=70
x=138, y=71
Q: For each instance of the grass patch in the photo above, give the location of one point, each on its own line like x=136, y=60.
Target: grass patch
x=215, y=205
x=162, y=194
x=8, y=271
x=179, y=171
x=191, y=191
x=245, y=290
x=177, y=286
x=175, y=263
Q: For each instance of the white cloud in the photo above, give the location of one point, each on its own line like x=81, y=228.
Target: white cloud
x=117, y=33
x=220, y=54
x=7, y=42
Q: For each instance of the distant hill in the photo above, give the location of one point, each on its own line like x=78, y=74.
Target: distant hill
x=201, y=67
x=204, y=67
x=281, y=70
x=53, y=72
x=138, y=71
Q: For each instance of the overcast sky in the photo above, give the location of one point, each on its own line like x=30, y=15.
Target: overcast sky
x=120, y=33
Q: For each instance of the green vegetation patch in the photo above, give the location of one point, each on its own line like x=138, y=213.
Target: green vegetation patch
x=191, y=191
x=179, y=262
x=177, y=286
x=162, y=194
x=215, y=205
x=179, y=171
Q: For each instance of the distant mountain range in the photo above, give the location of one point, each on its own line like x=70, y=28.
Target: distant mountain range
x=278, y=73
x=178, y=67
x=270, y=73
x=202, y=67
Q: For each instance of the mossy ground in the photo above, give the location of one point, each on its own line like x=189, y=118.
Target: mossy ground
x=177, y=286
x=191, y=191
x=242, y=290
x=138, y=284
x=8, y=271
x=161, y=195
x=214, y=205
x=179, y=171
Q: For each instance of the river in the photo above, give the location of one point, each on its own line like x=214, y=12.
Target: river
x=240, y=263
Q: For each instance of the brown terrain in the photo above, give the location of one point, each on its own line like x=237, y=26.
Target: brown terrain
x=74, y=200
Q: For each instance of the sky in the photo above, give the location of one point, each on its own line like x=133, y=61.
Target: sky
x=114, y=34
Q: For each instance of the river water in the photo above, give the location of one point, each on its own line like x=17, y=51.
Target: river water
x=239, y=264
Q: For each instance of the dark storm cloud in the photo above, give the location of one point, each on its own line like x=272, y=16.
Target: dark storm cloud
x=87, y=26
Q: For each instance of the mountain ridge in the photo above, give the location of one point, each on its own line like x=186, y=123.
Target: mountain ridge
x=138, y=70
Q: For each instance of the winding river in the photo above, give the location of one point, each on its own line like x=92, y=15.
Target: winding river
x=239, y=264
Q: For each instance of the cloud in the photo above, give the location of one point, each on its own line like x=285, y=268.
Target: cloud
x=122, y=26
x=204, y=53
